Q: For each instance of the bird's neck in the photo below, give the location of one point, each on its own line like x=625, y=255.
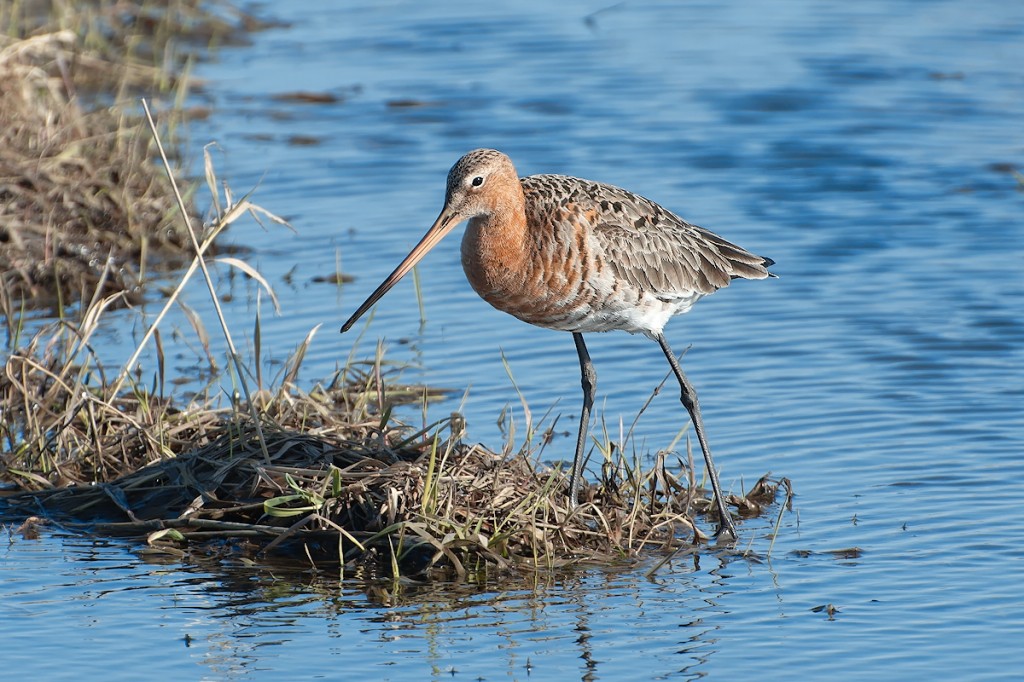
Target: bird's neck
x=495, y=245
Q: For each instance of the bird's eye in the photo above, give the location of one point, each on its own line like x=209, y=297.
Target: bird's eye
x=478, y=180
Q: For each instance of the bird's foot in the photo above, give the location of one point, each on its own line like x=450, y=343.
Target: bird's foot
x=726, y=531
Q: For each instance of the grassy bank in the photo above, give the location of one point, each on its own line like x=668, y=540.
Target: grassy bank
x=81, y=203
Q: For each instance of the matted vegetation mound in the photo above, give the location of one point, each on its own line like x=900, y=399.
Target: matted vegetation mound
x=380, y=503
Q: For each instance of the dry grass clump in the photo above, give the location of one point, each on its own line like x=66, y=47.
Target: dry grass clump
x=65, y=420
x=80, y=200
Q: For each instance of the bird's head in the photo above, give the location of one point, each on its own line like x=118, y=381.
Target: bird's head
x=483, y=182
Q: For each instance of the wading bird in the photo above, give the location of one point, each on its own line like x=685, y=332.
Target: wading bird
x=581, y=256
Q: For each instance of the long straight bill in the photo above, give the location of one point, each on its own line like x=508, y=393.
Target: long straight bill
x=442, y=226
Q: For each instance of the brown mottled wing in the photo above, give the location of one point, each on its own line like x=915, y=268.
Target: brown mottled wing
x=647, y=246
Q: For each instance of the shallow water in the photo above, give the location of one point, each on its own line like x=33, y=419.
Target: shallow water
x=863, y=146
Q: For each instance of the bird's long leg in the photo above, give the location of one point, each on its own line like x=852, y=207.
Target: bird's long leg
x=588, y=378
x=688, y=396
